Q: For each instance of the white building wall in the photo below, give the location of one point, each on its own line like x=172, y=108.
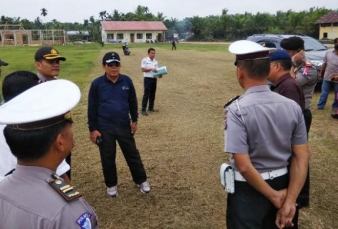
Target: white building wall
x=126, y=36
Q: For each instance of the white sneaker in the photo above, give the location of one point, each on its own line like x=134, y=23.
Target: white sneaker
x=144, y=187
x=112, y=191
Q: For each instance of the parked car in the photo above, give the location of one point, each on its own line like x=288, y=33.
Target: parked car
x=314, y=50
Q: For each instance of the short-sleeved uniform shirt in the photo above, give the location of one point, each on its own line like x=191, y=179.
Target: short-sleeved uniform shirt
x=331, y=60
x=28, y=201
x=148, y=63
x=264, y=125
x=307, y=77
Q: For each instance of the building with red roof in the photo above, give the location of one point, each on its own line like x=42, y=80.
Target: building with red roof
x=328, y=26
x=132, y=31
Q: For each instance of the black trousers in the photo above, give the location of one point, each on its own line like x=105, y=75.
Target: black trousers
x=150, y=85
x=303, y=199
x=249, y=209
x=126, y=141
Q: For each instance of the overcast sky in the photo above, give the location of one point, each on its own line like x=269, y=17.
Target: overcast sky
x=78, y=10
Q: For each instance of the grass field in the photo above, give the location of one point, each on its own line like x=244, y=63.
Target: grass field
x=182, y=145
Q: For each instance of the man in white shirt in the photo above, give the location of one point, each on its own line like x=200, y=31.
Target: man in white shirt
x=148, y=67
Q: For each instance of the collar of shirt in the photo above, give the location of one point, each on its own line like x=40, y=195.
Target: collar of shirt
x=108, y=80
x=43, y=78
x=35, y=171
x=260, y=88
x=282, y=78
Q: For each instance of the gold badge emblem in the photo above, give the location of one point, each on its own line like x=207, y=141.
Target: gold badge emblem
x=58, y=182
x=53, y=51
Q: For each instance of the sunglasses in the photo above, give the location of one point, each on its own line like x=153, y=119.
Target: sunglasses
x=114, y=64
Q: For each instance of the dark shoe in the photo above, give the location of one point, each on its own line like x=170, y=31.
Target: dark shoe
x=144, y=113
x=153, y=110
x=335, y=116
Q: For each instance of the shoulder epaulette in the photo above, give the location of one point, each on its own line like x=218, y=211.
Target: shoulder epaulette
x=65, y=190
x=308, y=63
x=231, y=101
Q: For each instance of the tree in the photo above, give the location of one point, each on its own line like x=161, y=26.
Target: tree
x=44, y=13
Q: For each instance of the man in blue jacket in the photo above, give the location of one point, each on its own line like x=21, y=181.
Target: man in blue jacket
x=112, y=116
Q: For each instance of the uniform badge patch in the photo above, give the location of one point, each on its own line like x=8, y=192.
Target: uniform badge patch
x=84, y=221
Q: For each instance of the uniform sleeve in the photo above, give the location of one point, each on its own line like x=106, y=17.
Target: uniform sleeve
x=308, y=78
x=76, y=215
x=92, y=106
x=133, y=107
x=143, y=63
x=62, y=168
x=236, y=136
x=299, y=135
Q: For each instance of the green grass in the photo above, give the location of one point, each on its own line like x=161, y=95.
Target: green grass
x=180, y=46
x=80, y=60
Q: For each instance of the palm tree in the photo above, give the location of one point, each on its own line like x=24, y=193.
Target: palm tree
x=44, y=13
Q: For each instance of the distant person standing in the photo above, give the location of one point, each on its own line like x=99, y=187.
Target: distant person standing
x=148, y=67
x=173, y=45
x=335, y=79
x=329, y=67
x=2, y=63
x=112, y=116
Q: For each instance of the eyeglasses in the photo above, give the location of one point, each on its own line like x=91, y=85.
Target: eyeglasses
x=114, y=64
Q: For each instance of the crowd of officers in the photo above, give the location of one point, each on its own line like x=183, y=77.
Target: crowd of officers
x=266, y=133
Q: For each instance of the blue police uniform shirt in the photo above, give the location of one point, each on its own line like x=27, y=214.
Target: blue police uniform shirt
x=265, y=126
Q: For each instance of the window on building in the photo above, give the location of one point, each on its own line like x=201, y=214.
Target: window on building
x=110, y=36
x=35, y=35
x=139, y=36
x=324, y=35
x=149, y=36
x=119, y=36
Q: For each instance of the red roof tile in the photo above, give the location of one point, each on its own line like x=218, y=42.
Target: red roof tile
x=133, y=25
x=328, y=18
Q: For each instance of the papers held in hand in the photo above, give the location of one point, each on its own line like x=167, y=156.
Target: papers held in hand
x=160, y=71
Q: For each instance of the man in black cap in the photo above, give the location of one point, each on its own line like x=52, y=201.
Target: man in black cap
x=112, y=116
x=306, y=75
x=2, y=63
x=303, y=71
x=47, y=62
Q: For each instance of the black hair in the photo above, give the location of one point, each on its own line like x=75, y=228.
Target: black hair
x=29, y=145
x=17, y=82
x=151, y=49
x=336, y=47
x=255, y=68
x=335, y=41
x=286, y=64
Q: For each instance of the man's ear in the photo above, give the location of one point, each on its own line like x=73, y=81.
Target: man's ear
x=58, y=143
x=38, y=64
x=240, y=73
